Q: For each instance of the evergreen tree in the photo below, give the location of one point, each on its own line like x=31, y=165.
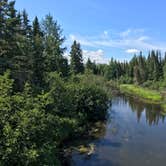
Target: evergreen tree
x=53, y=50
x=22, y=62
x=8, y=31
x=137, y=75
x=3, y=42
x=77, y=65
x=142, y=68
x=89, y=64
x=13, y=46
x=38, y=58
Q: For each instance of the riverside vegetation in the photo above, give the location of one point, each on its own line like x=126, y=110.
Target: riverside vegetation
x=44, y=101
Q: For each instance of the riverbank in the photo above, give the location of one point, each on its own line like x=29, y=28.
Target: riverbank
x=144, y=94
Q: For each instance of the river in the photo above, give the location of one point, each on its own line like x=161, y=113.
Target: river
x=134, y=135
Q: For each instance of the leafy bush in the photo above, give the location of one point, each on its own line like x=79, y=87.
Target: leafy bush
x=33, y=126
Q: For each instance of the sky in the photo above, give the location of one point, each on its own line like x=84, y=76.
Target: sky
x=106, y=28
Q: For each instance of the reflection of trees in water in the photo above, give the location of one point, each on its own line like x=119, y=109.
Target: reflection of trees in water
x=152, y=112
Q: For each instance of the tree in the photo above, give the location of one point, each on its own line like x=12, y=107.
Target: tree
x=8, y=31
x=22, y=61
x=89, y=64
x=38, y=58
x=3, y=42
x=153, y=66
x=53, y=49
x=76, y=64
x=142, y=68
x=137, y=75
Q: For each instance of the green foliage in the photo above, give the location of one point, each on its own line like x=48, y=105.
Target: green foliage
x=164, y=70
x=91, y=66
x=149, y=95
x=38, y=58
x=76, y=59
x=40, y=106
x=91, y=102
x=138, y=70
x=53, y=50
x=33, y=126
x=155, y=85
x=125, y=80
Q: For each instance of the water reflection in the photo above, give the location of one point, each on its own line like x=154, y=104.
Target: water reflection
x=133, y=135
x=152, y=112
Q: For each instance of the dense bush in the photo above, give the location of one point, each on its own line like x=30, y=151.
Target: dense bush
x=34, y=125
x=90, y=101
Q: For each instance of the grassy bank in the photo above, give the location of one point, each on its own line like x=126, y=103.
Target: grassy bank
x=142, y=93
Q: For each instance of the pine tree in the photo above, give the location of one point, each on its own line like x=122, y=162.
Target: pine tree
x=53, y=51
x=89, y=64
x=142, y=68
x=12, y=44
x=22, y=61
x=77, y=65
x=3, y=43
x=38, y=58
x=137, y=76
x=8, y=32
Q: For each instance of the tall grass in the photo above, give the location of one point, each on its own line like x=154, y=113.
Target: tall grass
x=143, y=93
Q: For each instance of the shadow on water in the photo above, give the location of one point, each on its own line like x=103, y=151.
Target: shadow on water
x=134, y=134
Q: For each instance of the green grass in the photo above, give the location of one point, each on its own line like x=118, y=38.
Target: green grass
x=142, y=93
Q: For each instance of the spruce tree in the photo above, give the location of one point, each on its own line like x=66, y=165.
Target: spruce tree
x=38, y=58
x=53, y=49
x=22, y=61
x=89, y=64
x=76, y=65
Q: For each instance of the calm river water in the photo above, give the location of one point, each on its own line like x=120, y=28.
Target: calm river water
x=134, y=135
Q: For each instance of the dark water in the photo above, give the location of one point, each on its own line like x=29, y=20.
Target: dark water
x=135, y=135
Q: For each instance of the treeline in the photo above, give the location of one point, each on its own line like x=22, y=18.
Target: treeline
x=43, y=100
x=141, y=70
x=32, y=51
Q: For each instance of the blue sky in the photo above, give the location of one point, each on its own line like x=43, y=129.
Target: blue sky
x=106, y=28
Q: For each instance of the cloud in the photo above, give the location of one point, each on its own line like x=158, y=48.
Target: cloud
x=131, y=41
x=105, y=33
x=83, y=41
x=132, y=51
x=131, y=38
x=95, y=56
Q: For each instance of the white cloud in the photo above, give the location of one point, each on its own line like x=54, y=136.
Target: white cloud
x=132, y=51
x=97, y=56
x=131, y=41
x=143, y=38
x=105, y=33
x=131, y=38
x=83, y=41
